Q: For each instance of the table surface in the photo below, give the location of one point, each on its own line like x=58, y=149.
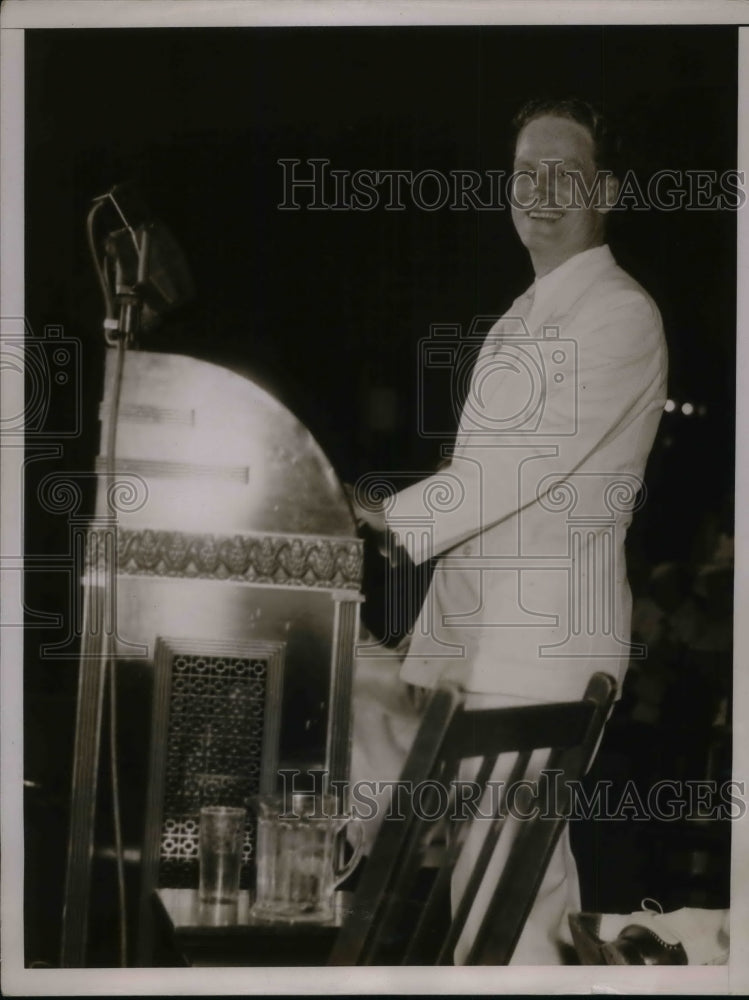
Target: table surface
x=188, y=915
x=207, y=934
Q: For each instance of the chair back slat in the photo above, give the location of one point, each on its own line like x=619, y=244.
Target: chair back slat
x=526, y=728
x=424, y=947
x=524, y=870
x=487, y=849
x=384, y=872
x=390, y=922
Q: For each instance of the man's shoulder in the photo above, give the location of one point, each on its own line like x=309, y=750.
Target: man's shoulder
x=615, y=289
x=617, y=319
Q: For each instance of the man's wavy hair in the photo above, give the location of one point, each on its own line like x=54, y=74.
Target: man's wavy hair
x=606, y=144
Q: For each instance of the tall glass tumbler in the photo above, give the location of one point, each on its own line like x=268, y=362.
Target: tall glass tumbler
x=221, y=838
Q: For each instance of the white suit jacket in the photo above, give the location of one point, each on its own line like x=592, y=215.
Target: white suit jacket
x=529, y=596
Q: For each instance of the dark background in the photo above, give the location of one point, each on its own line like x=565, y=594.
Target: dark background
x=326, y=309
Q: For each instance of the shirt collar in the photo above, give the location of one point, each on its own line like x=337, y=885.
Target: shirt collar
x=569, y=274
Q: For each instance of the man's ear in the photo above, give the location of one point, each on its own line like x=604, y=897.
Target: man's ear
x=610, y=194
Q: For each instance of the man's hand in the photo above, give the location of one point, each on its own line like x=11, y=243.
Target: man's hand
x=373, y=518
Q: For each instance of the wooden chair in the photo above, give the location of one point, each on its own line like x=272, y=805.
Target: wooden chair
x=387, y=923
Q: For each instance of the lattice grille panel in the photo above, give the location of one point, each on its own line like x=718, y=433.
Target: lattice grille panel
x=214, y=751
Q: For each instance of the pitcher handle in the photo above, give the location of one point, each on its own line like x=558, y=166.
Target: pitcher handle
x=353, y=861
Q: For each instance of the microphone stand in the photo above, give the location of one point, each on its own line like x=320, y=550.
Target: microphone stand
x=97, y=664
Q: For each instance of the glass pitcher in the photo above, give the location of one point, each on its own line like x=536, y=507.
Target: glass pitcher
x=298, y=849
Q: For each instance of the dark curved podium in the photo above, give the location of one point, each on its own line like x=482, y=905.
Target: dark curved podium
x=223, y=561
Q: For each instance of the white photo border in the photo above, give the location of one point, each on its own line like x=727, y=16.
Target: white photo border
x=18, y=981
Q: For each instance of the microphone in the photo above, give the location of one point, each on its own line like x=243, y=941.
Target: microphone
x=149, y=263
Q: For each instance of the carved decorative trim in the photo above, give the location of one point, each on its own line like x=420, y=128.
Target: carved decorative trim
x=283, y=560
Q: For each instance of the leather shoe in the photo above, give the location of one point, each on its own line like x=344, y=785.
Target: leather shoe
x=635, y=945
x=638, y=945
x=585, y=928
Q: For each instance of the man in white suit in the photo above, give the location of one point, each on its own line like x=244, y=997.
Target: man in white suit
x=529, y=595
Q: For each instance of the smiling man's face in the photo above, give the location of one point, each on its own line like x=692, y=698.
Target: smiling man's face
x=550, y=216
